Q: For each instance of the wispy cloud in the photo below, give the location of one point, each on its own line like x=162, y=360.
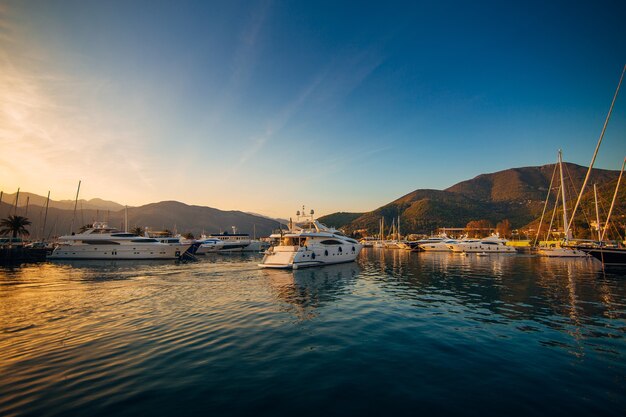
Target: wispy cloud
x=243, y=62
x=49, y=137
x=331, y=85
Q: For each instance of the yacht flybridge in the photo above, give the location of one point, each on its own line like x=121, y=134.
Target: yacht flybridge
x=310, y=243
x=104, y=242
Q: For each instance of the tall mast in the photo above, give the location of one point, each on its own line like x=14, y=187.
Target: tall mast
x=595, y=153
x=608, y=217
x=595, y=196
x=45, y=217
x=27, y=202
x=566, y=225
x=75, y=204
x=399, y=228
x=126, y=219
x=17, y=197
x=545, y=205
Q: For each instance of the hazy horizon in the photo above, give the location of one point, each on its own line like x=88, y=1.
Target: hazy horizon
x=264, y=106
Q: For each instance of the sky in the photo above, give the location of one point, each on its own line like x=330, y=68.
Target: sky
x=265, y=106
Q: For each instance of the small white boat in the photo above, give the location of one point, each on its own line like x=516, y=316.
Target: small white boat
x=209, y=245
x=368, y=242
x=490, y=244
x=562, y=252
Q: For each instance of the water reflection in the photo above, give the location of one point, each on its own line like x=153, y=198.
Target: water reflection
x=306, y=290
x=220, y=334
x=511, y=286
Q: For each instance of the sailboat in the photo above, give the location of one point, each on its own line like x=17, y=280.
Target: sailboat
x=562, y=251
x=381, y=241
x=605, y=254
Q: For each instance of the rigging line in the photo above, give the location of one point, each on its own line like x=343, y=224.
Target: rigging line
x=619, y=179
x=595, y=153
x=611, y=224
x=556, y=206
x=573, y=188
x=545, y=205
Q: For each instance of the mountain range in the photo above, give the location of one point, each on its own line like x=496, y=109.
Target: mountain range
x=516, y=194
x=165, y=215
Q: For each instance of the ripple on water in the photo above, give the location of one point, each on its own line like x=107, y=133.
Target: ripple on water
x=394, y=333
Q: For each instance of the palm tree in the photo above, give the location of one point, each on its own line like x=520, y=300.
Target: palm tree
x=14, y=225
x=137, y=230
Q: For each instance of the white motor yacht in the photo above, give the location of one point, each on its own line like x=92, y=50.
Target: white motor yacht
x=489, y=244
x=434, y=245
x=104, y=242
x=232, y=242
x=209, y=245
x=310, y=243
x=256, y=246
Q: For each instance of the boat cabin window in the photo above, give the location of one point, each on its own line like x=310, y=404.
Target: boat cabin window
x=102, y=231
x=293, y=241
x=330, y=242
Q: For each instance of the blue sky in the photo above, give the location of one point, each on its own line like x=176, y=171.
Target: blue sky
x=265, y=106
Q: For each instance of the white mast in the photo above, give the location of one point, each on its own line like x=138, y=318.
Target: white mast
x=568, y=234
x=595, y=195
x=545, y=205
x=595, y=153
x=75, y=204
x=125, y=219
x=45, y=218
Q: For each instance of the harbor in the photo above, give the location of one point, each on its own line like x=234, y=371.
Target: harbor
x=287, y=208
x=394, y=332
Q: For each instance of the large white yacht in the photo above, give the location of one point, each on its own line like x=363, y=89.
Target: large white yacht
x=104, y=242
x=489, y=244
x=310, y=243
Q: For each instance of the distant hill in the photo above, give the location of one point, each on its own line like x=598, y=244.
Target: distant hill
x=516, y=194
x=170, y=215
x=339, y=219
x=37, y=200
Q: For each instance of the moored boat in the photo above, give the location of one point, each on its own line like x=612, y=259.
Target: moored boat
x=104, y=242
x=232, y=242
x=491, y=244
x=608, y=256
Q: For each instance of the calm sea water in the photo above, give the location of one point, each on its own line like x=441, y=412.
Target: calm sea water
x=395, y=333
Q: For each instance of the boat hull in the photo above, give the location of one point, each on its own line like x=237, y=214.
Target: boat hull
x=122, y=252
x=292, y=257
x=562, y=253
x=478, y=248
x=608, y=256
